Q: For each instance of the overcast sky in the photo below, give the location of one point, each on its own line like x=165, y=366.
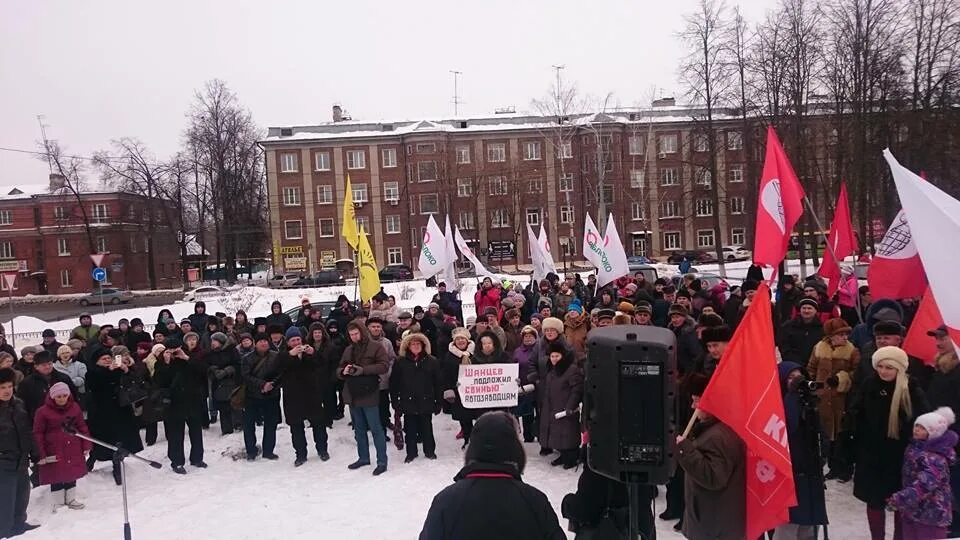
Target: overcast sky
x=99, y=70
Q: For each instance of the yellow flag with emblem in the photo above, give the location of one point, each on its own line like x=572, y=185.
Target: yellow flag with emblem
x=369, y=274
x=349, y=227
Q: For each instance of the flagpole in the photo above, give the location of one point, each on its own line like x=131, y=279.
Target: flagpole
x=833, y=254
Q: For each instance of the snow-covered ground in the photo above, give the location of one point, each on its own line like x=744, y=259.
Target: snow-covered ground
x=236, y=500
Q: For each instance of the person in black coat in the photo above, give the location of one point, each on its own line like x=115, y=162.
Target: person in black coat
x=34, y=387
x=184, y=381
x=488, y=498
x=337, y=344
x=416, y=388
x=135, y=335
x=199, y=318
x=787, y=297
x=800, y=335
x=306, y=374
x=224, y=374
x=16, y=452
x=110, y=413
x=50, y=343
x=343, y=313
x=261, y=374
x=277, y=317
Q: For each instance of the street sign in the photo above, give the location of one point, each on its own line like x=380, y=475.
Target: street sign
x=99, y=274
x=9, y=279
x=97, y=258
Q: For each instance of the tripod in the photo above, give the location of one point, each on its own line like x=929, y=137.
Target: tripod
x=119, y=455
x=813, y=438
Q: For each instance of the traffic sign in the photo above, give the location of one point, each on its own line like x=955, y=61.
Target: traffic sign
x=99, y=274
x=97, y=258
x=9, y=279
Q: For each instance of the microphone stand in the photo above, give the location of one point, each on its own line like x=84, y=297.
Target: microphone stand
x=119, y=455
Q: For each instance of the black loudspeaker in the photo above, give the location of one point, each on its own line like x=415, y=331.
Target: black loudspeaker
x=629, y=403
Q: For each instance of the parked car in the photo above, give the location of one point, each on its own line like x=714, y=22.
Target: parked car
x=395, y=272
x=697, y=255
x=638, y=259
x=201, y=293
x=711, y=280
x=320, y=279
x=325, y=308
x=108, y=296
x=649, y=272
x=282, y=281
x=736, y=253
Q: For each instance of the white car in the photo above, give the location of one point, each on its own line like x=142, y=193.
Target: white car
x=283, y=281
x=202, y=293
x=736, y=253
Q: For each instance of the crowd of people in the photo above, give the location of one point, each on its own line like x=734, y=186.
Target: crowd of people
x=885, y=419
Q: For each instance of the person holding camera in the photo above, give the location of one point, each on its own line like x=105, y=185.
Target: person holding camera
x=261, y=371
x=305, y=374
x=110, y=412
x=363, y=362
x=182, y=382
x=804, y=435
x=833, y=364
x=417, y=390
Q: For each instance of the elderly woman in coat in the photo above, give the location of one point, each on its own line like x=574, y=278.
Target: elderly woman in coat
x=110, y=415
x=60, y=453
x=560, y=394
x=460, y=351
x=306, y=377
x=833, y=362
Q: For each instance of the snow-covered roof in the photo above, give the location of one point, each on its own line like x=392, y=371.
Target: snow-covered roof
x=26, y=191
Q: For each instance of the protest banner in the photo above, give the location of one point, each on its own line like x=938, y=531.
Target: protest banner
x=488, y=386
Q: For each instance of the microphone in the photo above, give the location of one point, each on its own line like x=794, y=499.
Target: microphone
x=68, y=426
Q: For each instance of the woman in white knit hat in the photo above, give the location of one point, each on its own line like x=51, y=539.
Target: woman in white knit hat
x=881, y=419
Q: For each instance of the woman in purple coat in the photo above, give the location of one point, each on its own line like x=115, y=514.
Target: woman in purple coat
x=526, y=355
x=61, y=454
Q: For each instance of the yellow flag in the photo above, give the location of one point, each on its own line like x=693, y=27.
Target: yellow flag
x=369, y=274
x=349, y=227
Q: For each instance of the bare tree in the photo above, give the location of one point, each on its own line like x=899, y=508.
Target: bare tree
x=68, y=171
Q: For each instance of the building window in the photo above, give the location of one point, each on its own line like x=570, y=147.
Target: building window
x=288, y=162
x=464, y=187
x=499, y=218
x=99, y=213
x=429, y=204
x=414, y=232
x=566, y=182
x=566, y=215
x=426, y=171
x=133, y=243
x=363, y=222
x=671, y=240
x=606, y=195
x=736, y=174
x=636, y=144
x=426, y=148
x=738, y=236
x=704, y=207
x=734, y=140
x=566, y=150
x=704, y=178
x=65, y=280
x=496, y=153
x=535, y=185
x=463, y=154
x=705, y=238
x=325, y=228
x=639, y=246
x=63, y=247
x=59, y=213
x=393, y=224
x=668, y=177
x=637, y=211
x=359, y=193
x=668, y=209
x=324, y=194
x=293, y=229
x=701, y=143
x=394, y=255
x=668, y=144
x=531, y=150
x=356, y=159
x=389, y=157
x=6, y=250
x=391, y=191
x=466, y=221
x=637, y=178
x=498, y=185
x=736, y=205
x=321, y=161
x=6, y=217
x=533, y=217
x=291, y=196
x=101, y=244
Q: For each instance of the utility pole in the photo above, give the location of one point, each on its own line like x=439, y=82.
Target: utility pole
x=456, y=93
x=559, y=150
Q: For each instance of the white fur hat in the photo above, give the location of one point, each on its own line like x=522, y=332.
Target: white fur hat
x=936, y=422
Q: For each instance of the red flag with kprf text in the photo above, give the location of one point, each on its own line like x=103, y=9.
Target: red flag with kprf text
x=744, y=394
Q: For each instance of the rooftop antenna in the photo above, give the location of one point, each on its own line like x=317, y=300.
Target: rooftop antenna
x=46, y=143
x=456, y=93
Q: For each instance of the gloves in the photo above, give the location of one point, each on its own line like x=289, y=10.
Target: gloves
x=449, y=395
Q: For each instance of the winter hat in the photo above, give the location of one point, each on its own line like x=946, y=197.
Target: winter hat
x=694, y=384
x=49, y=333
x=120, y=350
x=261, y=337
x=259, y=321
x=494, y=440
x=750, y=285
x=490, y=310
x=245, y=335
x=896, y=357
x=29, y=349
x=417, y=310
x=64, y=349
x=808, y=302
x=938, y=332
x=42, y=357
x=575, y=306
x=936, y=422
x=172, y=343
x=189, y=335
x=626, y=307
x=678, y=309
x=887, y=328
x=433, y=305
x=511, y=313
x=536, y=316
x=683, y=294
x=529, y=330
x=157, y=350
x=545, y=303
x=135, y=322
x=643, y=307
x=460, y=332
x=887, y=314
x=710, y=320
x=219, y=337
x=405, y=315
x=716, y=334
x=552, y=322
x=835, y=326
x=471, y=320
x=292, y=332
x=61, y=389
x=606, y=314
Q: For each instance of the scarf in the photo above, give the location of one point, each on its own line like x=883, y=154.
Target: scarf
x=464, y=356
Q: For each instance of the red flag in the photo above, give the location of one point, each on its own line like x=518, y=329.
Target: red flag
x=842, y=241
x=779, y=207
x=917, y=342
x=896, y=270
x=744, y=394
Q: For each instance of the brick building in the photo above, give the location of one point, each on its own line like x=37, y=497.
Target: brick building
x=46, y=237
x=494, y=174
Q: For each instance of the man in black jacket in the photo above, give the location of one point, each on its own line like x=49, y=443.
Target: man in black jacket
x=261, y=374
x=50, y=342
x=183, y=380
x=33, y=390
x=16, y=451
x=800, y=335
x=306, y=373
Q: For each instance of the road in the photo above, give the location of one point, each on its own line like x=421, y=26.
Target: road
x=58, y=311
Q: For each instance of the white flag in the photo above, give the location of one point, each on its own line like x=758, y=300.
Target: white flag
x=540, y=267
x=433, y=254
x=545, y=249
x=468, y=253
x=604, y=252
x=450, y=270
